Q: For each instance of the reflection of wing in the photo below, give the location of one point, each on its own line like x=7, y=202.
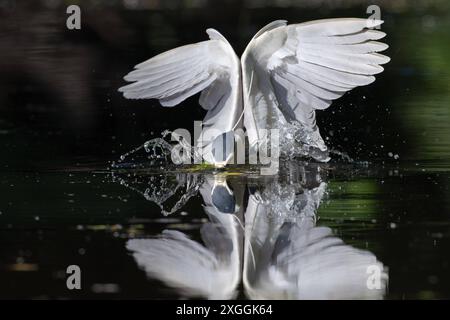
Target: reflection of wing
x=185, y=264
x=178, y=261
x=289, y=258
x=209, y=66
x=289, y=71
x=315, y=265
x=211, y=271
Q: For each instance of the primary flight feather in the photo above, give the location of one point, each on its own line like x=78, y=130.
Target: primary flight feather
x=284, y=75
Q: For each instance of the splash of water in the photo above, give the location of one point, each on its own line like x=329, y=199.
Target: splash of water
x=169, y=192
x=152, y=153
x=158, y=152
x=292, y=202
x=296, y=141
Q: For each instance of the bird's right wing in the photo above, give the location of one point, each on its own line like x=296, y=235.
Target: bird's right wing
x=289, y=71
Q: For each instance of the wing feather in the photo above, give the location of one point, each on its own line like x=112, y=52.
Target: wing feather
x=310, y=65
x=334, y=27
x=179, y=73
x=330, y=75
x=190, y=90
x=152, y=88
x=365, y=47
x=330, y=56
x=347, y=39
x=210, y=67
x=211, y=96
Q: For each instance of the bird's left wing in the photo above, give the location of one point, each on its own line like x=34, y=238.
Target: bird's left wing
x=289, y=71
x=177, y=74
x=210, y=67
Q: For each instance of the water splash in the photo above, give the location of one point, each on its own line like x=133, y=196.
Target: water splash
x=158, y=152
x=295, y=141
x=169, y=192
x=342, y=155
x=152, y=153
x=298, y=141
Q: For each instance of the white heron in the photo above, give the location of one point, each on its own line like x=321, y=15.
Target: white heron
x=285, y=74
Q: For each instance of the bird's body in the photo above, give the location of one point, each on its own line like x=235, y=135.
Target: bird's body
x=284, y=75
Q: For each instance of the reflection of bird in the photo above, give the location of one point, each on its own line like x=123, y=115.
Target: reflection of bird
x=293, y=259
x=287, y=257
x=211, y=271
x=288, y=71
x=282, y=253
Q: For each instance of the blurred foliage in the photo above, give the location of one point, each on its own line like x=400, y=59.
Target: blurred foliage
x=424, y=109
x=353, y=200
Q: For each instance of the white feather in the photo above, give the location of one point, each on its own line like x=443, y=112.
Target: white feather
x=308, y=65
x=173, y=76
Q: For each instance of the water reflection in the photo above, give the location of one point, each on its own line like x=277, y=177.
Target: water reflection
x=263, y=234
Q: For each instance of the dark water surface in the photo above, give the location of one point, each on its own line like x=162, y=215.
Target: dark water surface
x=310, y=232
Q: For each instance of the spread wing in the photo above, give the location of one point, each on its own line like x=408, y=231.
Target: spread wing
x=289, y=71
x=177, y=74
x=210, y=67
